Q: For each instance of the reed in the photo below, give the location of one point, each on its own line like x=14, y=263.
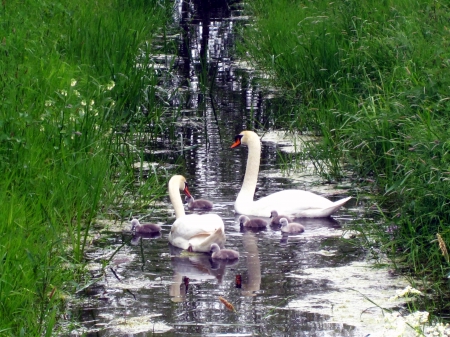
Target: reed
x=443, y=247
x=69, y=83
x=372, y=80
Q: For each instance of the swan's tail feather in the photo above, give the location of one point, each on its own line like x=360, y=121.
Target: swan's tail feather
x=322, y=212
x=336, y=205
x=341, y=202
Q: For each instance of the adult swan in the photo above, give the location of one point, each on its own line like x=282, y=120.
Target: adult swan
x=295, y=203
x=194, y=232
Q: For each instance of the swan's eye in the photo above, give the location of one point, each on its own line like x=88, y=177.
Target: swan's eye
x=237, y=141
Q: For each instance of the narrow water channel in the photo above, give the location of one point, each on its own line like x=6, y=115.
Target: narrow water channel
x=318, y=283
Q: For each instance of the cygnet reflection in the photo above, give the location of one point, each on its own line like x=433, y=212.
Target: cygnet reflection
x=137, y=238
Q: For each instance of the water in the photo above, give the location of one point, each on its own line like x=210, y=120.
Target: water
x=318, y=283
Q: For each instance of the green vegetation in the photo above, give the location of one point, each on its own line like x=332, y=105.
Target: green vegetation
x=373, y=79
x=69, y=80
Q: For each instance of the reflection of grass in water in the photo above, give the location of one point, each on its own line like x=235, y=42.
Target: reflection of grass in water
x=69, y=81
x=373, y=82
x=277, y=306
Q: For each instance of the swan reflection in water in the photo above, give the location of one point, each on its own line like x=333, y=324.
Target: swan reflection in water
x=193, y=266
x=200, y=266
x=253, y=264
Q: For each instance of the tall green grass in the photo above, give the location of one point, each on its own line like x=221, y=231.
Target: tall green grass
x=372, y=79
x=69, y=81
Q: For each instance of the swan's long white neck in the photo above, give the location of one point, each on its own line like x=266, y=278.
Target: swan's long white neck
x=175, y=196
x=251, y=172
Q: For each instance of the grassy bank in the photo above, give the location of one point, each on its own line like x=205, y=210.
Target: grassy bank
x=68, y=81
x=373, y=80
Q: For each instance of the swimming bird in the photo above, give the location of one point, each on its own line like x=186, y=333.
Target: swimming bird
x=223, y=254
x=199, y=204
x=197, y=231
x=294, y=203
x=245, y=221
x=275, y=218
x=292, y=227
x=148, y=228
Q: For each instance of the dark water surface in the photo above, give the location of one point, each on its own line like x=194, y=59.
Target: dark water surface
x=313, y=284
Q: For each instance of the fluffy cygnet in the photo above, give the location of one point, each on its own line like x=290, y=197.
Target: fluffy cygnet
x=148, y=228
x=253, y=223
x=276, y=218
x=292, y=227
x=223, y=254
x=200, y=204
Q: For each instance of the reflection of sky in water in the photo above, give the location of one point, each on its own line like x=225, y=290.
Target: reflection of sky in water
x=313, y=282
x=310, y=284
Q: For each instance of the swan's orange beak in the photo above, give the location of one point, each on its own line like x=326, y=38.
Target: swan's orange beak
x=186, y=191
x=237, y=141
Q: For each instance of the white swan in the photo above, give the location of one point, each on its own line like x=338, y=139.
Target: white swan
x=295, y=203
x=195, y=232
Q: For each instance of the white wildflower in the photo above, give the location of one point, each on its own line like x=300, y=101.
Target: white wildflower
x=73, y=82
x=83, y=102
x=82, y=113
x=91, y=102
x=405, y=292
x=394, y=324
x=77, y=93
x=48, y=103
x=415, y=324
x=42, y=129
x=63, y=92
x=414, y=291
x=417, y=318
x=437, y=329
x=110, y=85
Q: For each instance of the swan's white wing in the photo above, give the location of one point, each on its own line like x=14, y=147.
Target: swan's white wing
x=195, y=224
x=202, y=243
x=289, y=202
x=196, y=227
x=296, y=203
